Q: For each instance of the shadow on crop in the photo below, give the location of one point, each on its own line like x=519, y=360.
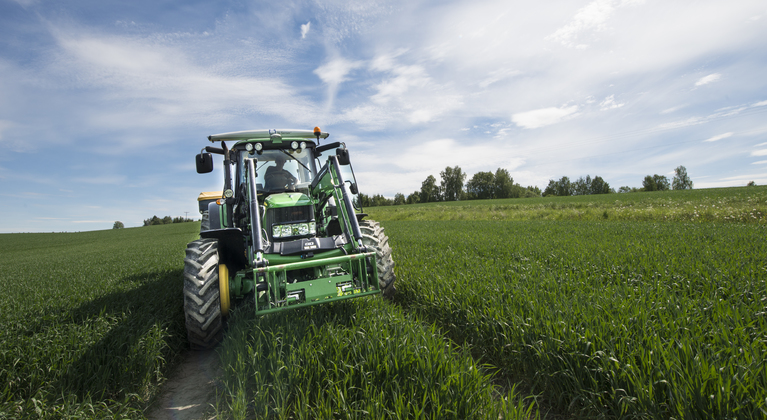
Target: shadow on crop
x=144, y=326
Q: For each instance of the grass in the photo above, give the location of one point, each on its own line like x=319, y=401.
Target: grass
x=726, y=205
x=90, y=320
x=356, y=359
x=615, y=319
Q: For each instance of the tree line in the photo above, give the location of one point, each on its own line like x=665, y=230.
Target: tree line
x=154, y=220
x=452, y=187
x=488, y=185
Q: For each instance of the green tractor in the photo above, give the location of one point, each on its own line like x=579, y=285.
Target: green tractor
x=282, y=234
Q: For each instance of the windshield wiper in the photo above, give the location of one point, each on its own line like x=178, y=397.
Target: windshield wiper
x=299, y=162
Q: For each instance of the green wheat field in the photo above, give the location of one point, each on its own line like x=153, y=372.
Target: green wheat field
x=639, y=305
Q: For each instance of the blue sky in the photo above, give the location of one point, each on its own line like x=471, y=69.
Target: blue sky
x=104, y=104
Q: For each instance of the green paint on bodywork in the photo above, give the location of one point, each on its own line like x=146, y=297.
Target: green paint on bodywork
x=290, y=199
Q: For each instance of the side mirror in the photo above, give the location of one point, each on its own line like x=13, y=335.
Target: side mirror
x=204, y=163
x=343, y=156
x=353, y=188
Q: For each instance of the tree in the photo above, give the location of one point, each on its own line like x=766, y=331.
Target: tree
x=363, y=200
x=582, y=186
x=550, y=189
x=661, y=182
x=399, y=199
x=648, y=184
x=561, y=188
x=503, y=184
x=599, y=186
x=751, y=184
x=414, y=197
x=532, y=191
x=627, y=189
x=452, y=183
x=118, y=225
x=154, y=220
x=480, y=186
x=429, y=190
x=681, y=180
x=378, y=200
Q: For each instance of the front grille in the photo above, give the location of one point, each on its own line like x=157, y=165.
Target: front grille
x=285, y=215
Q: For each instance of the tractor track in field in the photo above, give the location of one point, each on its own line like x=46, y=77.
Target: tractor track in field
x=190, y=392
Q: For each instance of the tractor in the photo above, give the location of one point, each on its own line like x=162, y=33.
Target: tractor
x=282, y=234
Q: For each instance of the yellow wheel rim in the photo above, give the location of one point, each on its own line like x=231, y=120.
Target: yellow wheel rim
x=223, y=288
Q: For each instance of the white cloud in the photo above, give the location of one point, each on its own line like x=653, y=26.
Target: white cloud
x=166, y=84
x=334, y=72
x=403, y=92
x=543, y=117
x=592, y=17
x=609, y=103
x=708, y=79
x=498, y=75
x=718, y=137
x=673, y=109
x=762, y=152
x=305, y=29
x=759, y=162
x=762, y=103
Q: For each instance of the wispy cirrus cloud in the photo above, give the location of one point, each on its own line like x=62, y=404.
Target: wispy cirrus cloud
x=609, y=103
x=542, y=117
x=591, y=18
x=718, y=137
x=708, y=79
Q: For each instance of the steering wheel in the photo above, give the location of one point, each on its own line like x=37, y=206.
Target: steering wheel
x=284, y=180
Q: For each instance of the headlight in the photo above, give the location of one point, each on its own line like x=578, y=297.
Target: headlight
x=296, y=229
x=249, y=147
x=303, y=145
x=294, y=145
x=259, y=146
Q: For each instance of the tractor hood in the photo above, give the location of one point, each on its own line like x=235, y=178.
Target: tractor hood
x=289, y=199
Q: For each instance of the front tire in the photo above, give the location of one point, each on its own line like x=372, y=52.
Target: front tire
x=202, y=301
x=373, y=236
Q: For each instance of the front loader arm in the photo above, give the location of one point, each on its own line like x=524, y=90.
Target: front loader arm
x=330, y=182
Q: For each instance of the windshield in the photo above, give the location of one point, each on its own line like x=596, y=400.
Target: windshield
x=278, y=170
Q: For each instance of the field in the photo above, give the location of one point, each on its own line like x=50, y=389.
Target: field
x=741, y=205
x=90, y=320
x=644, y=305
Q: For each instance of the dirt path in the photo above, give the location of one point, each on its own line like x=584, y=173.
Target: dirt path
x=190, y=393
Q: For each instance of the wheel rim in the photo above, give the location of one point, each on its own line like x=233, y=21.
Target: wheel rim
x=223, y=288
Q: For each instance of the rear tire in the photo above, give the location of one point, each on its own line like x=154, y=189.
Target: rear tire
x=202, y=303
x=373, y=236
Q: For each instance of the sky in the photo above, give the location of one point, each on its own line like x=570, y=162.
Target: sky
x=104, y=104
